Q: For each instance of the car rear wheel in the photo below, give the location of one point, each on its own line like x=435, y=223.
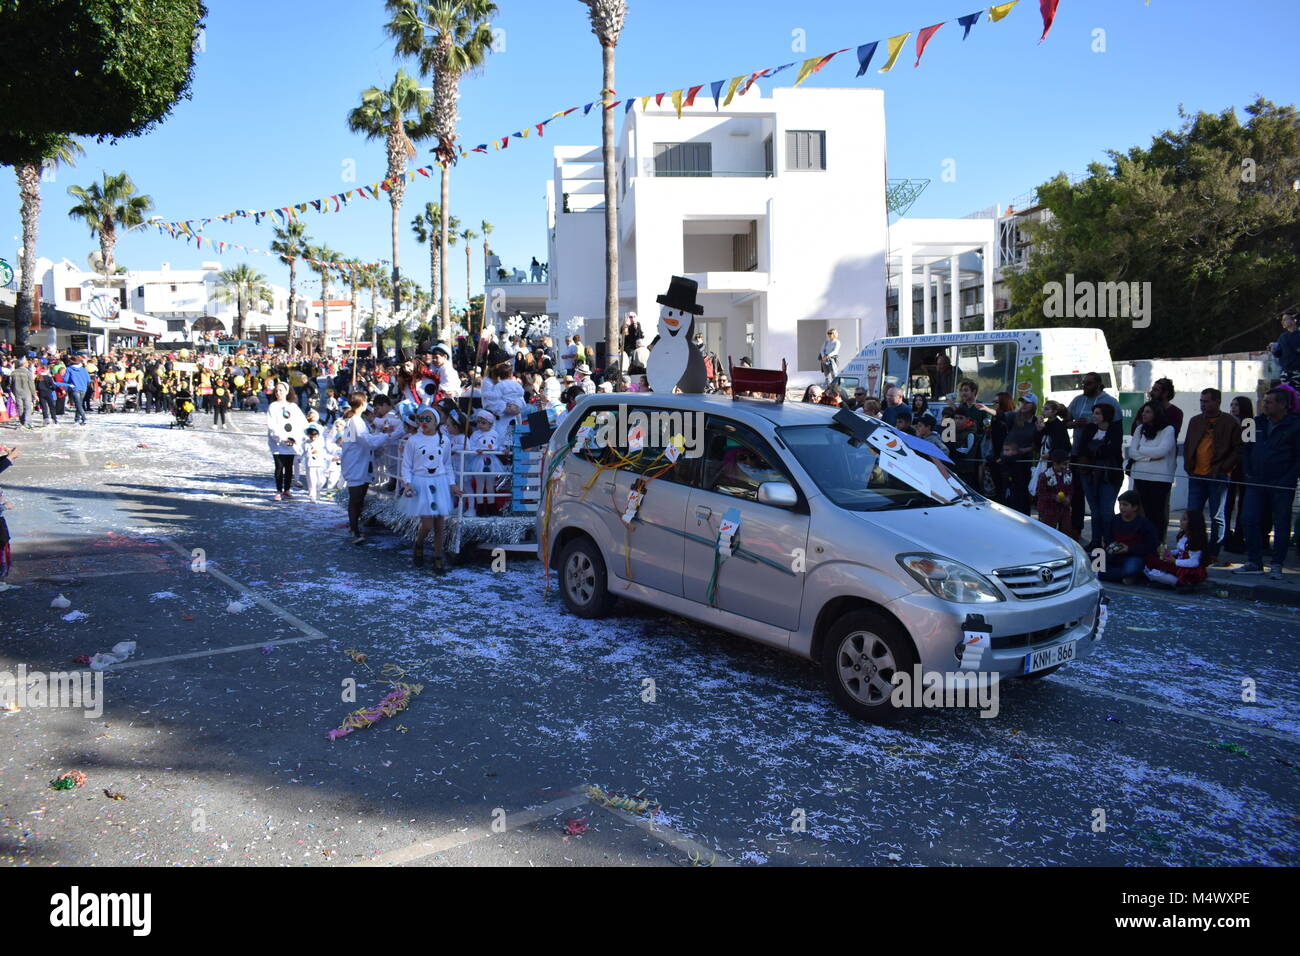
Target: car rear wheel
x=862, y=652
x=584, y=584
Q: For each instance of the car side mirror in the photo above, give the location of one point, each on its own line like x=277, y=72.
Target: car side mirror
x=779, y=494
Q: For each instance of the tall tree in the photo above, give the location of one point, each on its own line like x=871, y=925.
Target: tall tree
x=244, y=286
x=103, y=68
x=30, y=156
x=449, y=38
x=487, y=251
x=607, y=18
x=428, y=228
x=108, y=206
x=468, y=235
x=291, y=243
x=322, y=263
x=399, y=115
x=1208, y=215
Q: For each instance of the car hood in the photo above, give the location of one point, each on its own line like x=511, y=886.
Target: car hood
x=983, y=536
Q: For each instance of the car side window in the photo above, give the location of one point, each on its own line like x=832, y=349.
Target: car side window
x=737, y=460
x=634, y=439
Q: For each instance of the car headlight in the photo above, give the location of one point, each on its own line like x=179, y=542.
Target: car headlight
x=949, y=580
x=1083, y=572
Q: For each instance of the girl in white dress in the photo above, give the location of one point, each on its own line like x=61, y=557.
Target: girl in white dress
x=314, y=457
x=427, y=474
x=285, y=423
x=357, y=444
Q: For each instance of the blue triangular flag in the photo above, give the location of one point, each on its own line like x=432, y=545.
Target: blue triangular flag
x=968, y=21
x=716, y=88
x=630, y=103
x=865, y=53
x=587, y=109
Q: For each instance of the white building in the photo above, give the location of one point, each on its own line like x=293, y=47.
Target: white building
x=774, y=205
x=140, y=305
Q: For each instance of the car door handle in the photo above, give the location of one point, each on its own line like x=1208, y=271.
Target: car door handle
x=703, y=513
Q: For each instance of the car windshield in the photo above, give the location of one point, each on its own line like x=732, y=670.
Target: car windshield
x=858, y=477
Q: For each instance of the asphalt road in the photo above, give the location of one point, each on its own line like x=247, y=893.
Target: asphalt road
x=214, y=732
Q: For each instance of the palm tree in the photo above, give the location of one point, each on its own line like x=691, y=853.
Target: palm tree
x=487, y=251
x=449, y=38
x=468, y=235
x=606, y=23
x=427, y=228
x=324, y=258
x=60, y=151
x=400, y=116
x=291, y=242
x=107, y=207
x=243, y=285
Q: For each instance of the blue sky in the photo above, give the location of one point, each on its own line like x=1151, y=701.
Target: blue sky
x=266, y=122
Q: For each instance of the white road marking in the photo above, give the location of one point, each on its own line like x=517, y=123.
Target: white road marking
x=692, y=849
x=442, y=844
x=1180, y=711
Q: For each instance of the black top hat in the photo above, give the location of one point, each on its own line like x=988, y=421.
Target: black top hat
x=681, y=296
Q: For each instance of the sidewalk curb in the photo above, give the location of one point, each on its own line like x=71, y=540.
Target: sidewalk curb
x=1212, y=588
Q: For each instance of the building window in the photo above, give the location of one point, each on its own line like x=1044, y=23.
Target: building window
x=769, y=160
x=72, y=295
x=744, y=249
x=683, y=159
x=805, y=149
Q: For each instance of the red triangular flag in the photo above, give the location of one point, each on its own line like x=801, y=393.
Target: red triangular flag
x=1048, y=9
x=690, y=95
x=923, y=38
x=659, y=99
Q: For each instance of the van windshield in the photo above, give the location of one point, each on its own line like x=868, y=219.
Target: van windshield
x=859, y=478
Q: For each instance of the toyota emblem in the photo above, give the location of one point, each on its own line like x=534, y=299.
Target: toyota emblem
x=1045, y=573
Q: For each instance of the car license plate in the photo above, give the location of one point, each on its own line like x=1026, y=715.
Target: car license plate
x=1049, y=657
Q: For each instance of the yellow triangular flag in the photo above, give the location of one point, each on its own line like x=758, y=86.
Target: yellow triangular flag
x=526, y=131
x=644, y=101
x=677, y=102
x=731, y=88
x=1001, y=10
x=806, y=69
x=895, y=48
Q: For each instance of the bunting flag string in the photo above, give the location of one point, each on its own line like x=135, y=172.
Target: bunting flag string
x=722, y=91
x=186, y=232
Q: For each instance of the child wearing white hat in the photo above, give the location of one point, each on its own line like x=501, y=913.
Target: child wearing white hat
x=481, y=468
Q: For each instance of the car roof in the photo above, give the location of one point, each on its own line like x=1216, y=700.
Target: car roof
x=750, y=410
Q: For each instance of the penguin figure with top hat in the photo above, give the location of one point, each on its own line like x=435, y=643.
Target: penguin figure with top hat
x=675, y=361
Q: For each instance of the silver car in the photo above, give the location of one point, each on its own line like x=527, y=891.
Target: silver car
x=824, y=534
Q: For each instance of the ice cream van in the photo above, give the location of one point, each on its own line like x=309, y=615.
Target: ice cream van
x=1050, y=363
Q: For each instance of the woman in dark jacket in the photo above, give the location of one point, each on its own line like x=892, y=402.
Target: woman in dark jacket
x=1101, y=457
x=1242, y=409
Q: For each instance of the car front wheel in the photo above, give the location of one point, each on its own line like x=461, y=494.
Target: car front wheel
x=584, y=584
x=862, y=652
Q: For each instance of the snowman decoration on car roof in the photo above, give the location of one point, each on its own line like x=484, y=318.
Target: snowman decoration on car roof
x=674, y=360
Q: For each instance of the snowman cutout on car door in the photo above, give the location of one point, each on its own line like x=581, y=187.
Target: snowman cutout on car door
x=674, y=360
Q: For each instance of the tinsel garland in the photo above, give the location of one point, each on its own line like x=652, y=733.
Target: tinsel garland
x=458, y=532
x=393, y=703
x=69, y=781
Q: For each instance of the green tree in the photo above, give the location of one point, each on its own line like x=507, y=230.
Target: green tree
x=449, y=38
x=103, y=68
x=107, y=207
x=399, y=116
x=244, y=286
x=1208, y=214
x=323, y=259
x=290, y=241
x=29, y=156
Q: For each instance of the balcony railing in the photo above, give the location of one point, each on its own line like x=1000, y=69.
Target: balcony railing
x=713, y=173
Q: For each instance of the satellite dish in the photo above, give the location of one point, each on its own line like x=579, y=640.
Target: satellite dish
x=96, y=261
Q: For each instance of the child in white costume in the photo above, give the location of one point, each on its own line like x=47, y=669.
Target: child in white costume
x=482, y=438
x=427, y=474
x=313, y=458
